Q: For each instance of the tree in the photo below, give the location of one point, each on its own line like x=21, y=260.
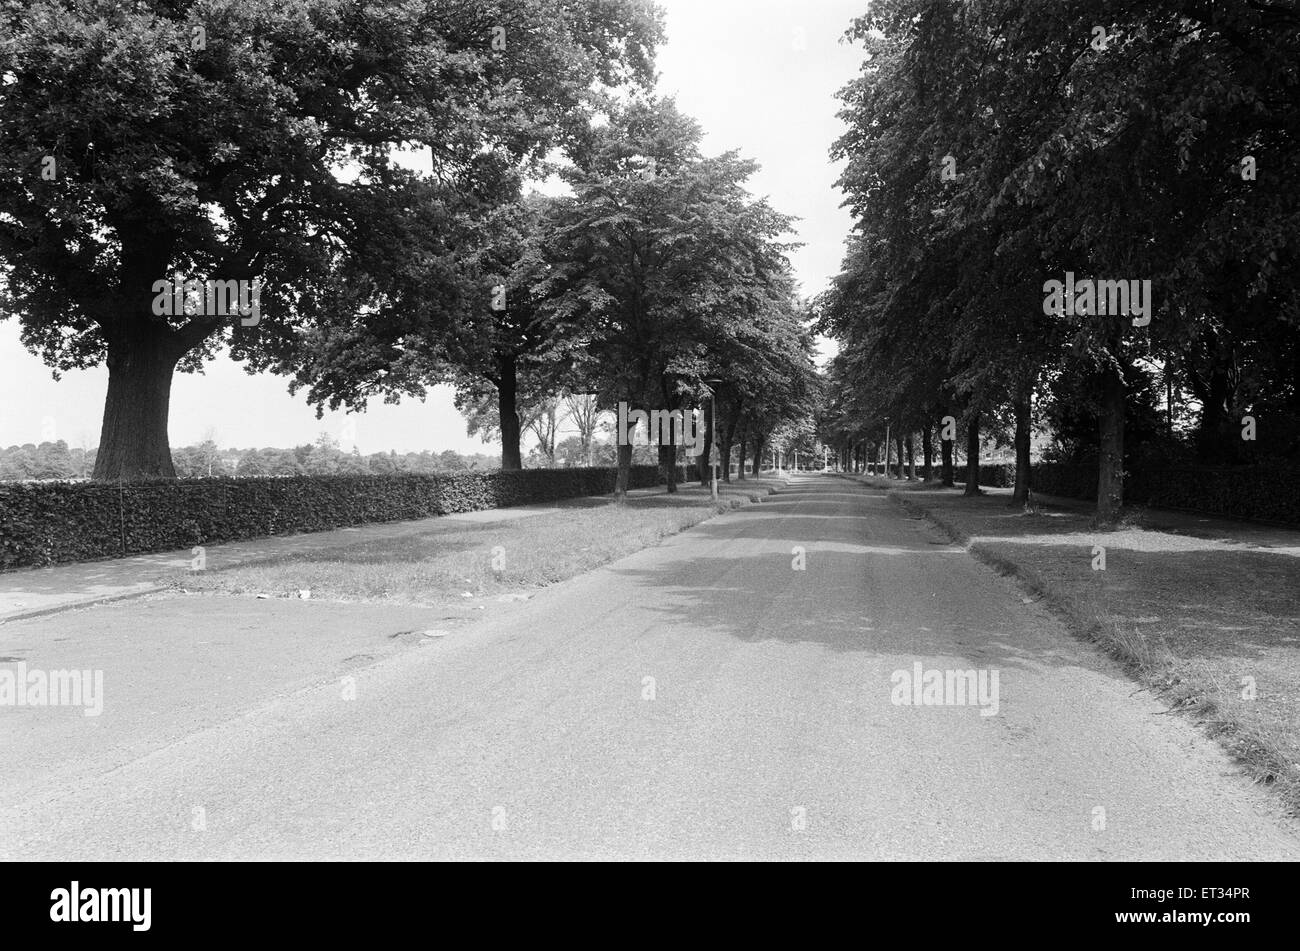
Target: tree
x=200, y=461
x=252, y=141
x=584, y=412
x=993, y=146
x=543, y=422
x=658, y=252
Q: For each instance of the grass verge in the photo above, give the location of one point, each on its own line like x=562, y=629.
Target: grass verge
x=455, y=558
x=1208, y=623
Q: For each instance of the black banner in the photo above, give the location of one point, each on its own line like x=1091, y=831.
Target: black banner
x=982, y=903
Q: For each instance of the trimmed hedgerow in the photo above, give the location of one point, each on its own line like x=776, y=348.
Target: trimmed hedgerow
x=52, y=522
x=1262, y=493
x=1267, y=493
x=992, y=475
x=1065, y=480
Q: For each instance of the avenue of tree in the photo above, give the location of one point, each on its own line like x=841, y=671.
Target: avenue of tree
x=996, y=145
x=268, y=141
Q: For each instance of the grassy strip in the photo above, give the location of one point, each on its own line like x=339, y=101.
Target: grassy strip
x=492, y=558
x=1191, y=619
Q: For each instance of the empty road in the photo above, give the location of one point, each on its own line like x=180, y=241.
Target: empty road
x=729, y=694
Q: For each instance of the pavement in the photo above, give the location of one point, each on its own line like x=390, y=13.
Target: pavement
x=1249, y=536
x=732, y=693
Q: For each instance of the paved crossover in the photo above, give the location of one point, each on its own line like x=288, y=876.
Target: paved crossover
x=732, y=693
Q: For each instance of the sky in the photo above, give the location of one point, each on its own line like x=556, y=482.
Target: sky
x=760, y=76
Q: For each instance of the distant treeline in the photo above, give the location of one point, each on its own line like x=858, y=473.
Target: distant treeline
x=55, y=460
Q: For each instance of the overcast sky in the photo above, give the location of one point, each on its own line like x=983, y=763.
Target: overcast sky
x=759, y=75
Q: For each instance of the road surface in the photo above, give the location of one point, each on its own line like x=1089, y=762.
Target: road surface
x=729, y=694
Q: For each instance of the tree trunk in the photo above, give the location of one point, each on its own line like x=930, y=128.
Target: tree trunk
x=973, y=456
x=927, y=452
x=624, y=472
x=758, y=455
x=507, y=399
x=668, y=466
x=705, y=471
x=728, y=439
x=133, y=440
x=1110, y=474
x=742, y=443
x=898, y=445
x=1020, y=495
x=911, y=458
x=945, y=464
x=1209, y=431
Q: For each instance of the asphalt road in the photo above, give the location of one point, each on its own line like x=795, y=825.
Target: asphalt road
x=700, y=699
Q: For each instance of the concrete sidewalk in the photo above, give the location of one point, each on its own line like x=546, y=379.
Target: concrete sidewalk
x=1250, y=536
x=32, y=592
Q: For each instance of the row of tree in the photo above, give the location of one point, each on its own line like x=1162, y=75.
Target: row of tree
x=996, y=146
x=55, y=460
x=259, y=140
x=593, y=446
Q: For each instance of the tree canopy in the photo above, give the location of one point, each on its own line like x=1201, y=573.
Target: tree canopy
x=996, y=146
x=254, y=140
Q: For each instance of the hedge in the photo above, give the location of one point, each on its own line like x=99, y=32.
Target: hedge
x=1065, y=481
x=1258, y=493
x=45, y=523
x=993, y=475
x=1261, y=493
